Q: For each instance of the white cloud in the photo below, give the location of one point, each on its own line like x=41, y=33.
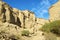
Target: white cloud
x=45, y=11
x=41, y=8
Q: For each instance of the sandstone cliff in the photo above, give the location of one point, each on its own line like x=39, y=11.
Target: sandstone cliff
x=54, y=11
x=13, y=21
x=24, y=19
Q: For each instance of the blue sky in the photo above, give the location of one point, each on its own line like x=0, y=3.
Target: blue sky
x=39, y=7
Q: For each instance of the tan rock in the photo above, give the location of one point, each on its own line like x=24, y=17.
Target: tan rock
x=38, y=36
x=25, y=18
x=16, y=13
x=12, y=19
x=21, y=18
x=7, y=13
x=54, y=11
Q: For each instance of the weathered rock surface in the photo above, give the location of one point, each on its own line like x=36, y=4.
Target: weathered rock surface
x=13, y=21
x=25, y=19
x=7, y=14
x=55, y=11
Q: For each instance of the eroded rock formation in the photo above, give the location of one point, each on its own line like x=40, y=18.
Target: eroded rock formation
x=54, y=11
x=13, y=21
x=25, y=18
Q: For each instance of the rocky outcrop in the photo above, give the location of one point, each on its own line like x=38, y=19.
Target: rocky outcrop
x=13, y=21
x=9, y=32
x=7, y=14
x=25, y=19
x=54, y=11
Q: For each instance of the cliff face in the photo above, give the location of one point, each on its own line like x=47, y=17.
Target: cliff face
x=7, y=14
x=54, y=11
x=13, y=21
x=24, y=19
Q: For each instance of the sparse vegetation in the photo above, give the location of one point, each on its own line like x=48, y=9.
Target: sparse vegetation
x=53, y=27
x=25, y=33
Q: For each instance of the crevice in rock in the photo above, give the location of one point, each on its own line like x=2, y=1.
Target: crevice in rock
x=4, y=16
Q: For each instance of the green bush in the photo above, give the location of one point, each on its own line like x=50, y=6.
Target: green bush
x=53, y=27
x=25, y=33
